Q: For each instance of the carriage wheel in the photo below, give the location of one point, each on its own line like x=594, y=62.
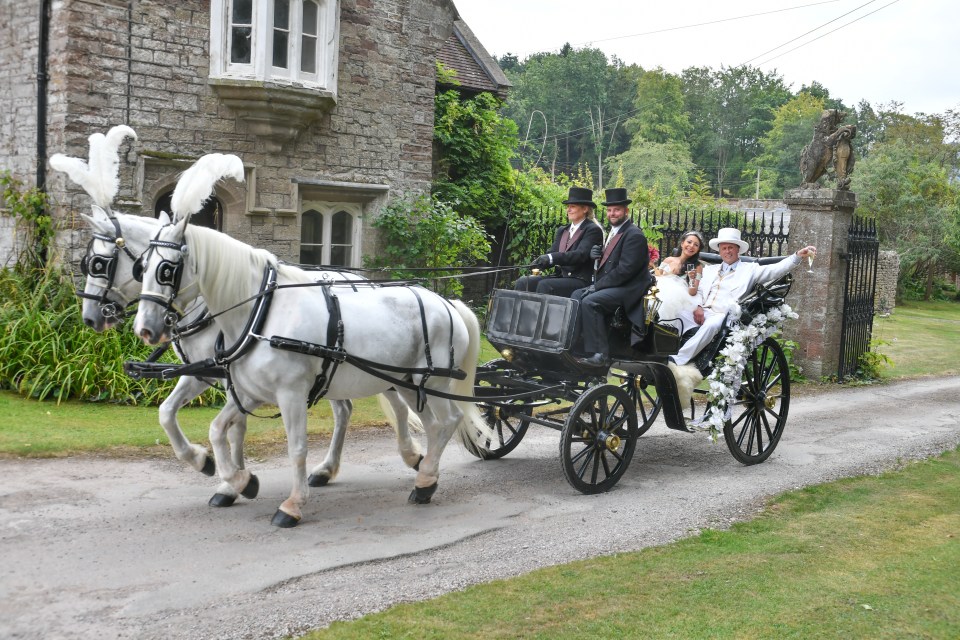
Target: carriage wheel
x=648, y=407
x=508, y=423
x=598, y=438
x=761, y=405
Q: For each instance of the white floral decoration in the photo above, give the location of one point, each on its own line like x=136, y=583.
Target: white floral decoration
x=729, y=364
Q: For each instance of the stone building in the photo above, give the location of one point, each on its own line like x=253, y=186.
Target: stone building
x=329, y=104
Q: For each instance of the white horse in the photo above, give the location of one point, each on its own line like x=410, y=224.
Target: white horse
x=110, y=287
x=388, y=329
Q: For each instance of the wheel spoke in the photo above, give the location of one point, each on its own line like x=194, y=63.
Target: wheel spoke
x=584, y=451
x=586, y=462
x=766, y=426
x=596, y=467
x=741, y=418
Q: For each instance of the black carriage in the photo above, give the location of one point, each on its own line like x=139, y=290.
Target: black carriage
x=599, y=420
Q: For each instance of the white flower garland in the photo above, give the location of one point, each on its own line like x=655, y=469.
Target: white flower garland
x=728, y=367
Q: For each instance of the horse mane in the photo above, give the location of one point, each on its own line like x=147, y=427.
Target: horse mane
x=226, y=262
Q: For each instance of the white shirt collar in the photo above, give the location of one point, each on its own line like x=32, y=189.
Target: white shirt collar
x=729, y=267
x=574, y=227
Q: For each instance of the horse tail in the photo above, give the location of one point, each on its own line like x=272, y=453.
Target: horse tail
x=473, y=430
x=413, y=420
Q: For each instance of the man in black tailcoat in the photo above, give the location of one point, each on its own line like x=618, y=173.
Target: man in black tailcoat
x=622, y=278
x=570, y=250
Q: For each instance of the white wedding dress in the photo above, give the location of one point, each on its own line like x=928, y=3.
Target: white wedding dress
x=676, y=303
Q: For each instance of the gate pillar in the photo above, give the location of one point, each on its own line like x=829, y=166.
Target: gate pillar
x=820, y=217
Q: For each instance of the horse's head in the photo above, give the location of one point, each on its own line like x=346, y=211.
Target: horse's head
x=98, y=176
x=163, y=294
x=113, y=251
x=168, y=286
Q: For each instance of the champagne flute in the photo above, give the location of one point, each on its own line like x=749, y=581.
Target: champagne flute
x=691, y=274
x=810, y=257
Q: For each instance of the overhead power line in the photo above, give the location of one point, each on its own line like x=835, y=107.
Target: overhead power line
x=704, y=24
x=779, y=55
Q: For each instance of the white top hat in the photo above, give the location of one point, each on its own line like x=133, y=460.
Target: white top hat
x=731, y=235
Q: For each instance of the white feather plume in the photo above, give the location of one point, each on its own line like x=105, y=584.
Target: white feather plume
x=196, y=184
x=100, y=177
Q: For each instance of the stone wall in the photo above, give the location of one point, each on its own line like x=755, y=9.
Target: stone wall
x=888, y=270
x=146, y=64
x=18, y=99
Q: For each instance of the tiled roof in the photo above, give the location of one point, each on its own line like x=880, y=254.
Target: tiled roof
x=476, y=69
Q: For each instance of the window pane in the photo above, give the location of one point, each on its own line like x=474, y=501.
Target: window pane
x=311, y=254
x=310, y=13
x=280, y=49
x=240, y=45
x=340, y=256
x=311, y=228
x=342, y=227
x=308, y=54
x=242, y=12
x=281, y=14
x=281, y=32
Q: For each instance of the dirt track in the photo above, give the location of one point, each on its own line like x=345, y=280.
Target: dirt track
x=99, y=548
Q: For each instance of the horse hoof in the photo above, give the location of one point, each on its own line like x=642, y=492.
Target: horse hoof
x=222, y=500
x=315, y=480
x=209, y=467
x=422, y=495
x=284, y=520
x=416, y=467
x=252, y=489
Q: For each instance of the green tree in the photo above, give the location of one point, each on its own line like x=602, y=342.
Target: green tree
x=730, y=111
x=916, y=206
x=553, y=99
x=660, y=114
x=649, y=164
x=778, y=163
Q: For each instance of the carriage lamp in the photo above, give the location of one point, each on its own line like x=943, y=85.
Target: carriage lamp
x=535, y=272
x=651, y=304
x=507, y=354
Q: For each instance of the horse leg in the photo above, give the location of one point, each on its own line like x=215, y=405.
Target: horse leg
x=195, y=455
x=409, y=448
x=440, y=419
x=330, y=467
x=235, y=478
x=294, y=411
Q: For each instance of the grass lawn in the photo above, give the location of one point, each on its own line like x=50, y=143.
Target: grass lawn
x=921, y=339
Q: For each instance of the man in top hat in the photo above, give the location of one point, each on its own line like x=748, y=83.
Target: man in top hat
x=570, y=250
x=622, y=278
x=722, y=285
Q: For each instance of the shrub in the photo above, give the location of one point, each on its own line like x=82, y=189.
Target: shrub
x=425, y=238
x=46, y=352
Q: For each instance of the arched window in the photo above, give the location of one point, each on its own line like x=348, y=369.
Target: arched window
x=211, y=215
x=329, y=233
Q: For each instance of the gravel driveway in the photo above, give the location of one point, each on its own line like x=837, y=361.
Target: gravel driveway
x=102, y=548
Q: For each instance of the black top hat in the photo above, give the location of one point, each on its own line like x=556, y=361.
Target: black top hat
x=616, y=196
x=579, y=195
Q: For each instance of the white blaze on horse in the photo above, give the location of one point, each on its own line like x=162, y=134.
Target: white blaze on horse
x=118, y=241
x=421, y=343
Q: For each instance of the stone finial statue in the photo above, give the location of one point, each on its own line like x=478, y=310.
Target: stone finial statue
x=830, y=147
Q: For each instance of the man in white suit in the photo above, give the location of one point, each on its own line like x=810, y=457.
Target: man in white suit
x=725, y=283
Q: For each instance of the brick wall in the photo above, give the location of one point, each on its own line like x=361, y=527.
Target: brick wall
x=147, y=66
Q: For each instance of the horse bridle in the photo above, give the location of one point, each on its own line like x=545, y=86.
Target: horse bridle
x=167, y=274
x=94, y=265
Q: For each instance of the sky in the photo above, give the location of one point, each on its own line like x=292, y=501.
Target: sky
x=907, y=51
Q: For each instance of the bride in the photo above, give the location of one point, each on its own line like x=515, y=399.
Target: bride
x=678, y=280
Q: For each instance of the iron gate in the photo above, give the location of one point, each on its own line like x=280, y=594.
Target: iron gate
x=860, y=288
